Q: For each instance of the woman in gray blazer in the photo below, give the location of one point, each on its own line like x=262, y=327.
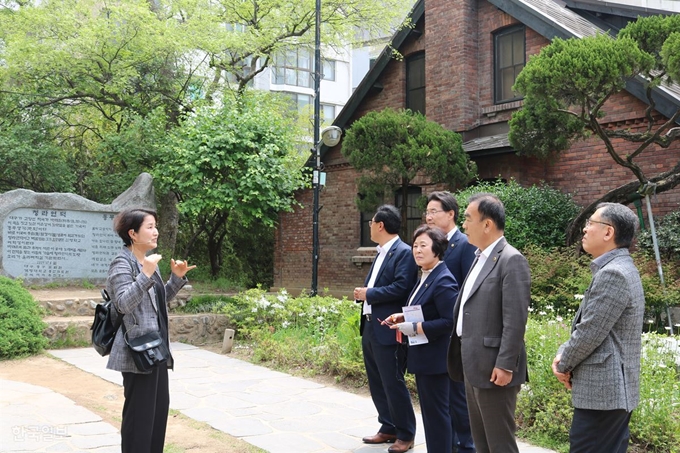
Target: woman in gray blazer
x=138, y=293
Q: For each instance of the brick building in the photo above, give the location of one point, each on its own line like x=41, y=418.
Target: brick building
x=460, y=60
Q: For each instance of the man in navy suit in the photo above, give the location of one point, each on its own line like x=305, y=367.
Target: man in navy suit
x=386, y=289
x=442, y=212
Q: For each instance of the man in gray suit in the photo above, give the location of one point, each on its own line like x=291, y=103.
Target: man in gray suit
x=487, y=346
x=600, y=362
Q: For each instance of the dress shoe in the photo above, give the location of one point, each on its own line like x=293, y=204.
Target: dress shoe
x=380, y=438
x=401, y=446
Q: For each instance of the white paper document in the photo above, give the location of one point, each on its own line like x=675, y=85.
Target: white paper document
x=414, y=313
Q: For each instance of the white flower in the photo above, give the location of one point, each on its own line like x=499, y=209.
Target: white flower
x=285, y=324
x=578, y=296
x=542, y=313
x=277, y=306
x=282, y=298
x=263, y=302
x=559, y=319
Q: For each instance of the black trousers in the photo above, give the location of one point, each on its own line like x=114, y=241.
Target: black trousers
x=599, y=431
x=145, y=412
x=460, y=419
x=385, y=367
x=433, y=391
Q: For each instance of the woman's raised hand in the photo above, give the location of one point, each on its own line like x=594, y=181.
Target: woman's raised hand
x=180, y=267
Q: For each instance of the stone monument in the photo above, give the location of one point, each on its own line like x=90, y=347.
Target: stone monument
x=62, y=237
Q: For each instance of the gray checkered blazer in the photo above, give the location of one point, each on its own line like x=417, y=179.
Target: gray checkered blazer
x=132, y=298
x=603, y=352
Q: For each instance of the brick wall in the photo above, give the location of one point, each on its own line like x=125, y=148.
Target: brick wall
x=459, y=62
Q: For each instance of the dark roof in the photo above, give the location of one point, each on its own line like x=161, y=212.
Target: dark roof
x=549, y=18
x=487, y=146
x=626, y=8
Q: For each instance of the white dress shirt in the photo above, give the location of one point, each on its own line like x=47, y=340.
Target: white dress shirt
x=382, y=253
x=470, y=281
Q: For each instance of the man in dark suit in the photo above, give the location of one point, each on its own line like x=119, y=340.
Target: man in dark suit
x=386, y=289
x=487, y=346
x=442, y=212
x=600, y=362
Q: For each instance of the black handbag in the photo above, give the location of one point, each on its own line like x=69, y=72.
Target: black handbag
x=148, y=351
x=103, y=327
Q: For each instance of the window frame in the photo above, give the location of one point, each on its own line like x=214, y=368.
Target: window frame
x=418, y=57
x=333, y=65
x=284, y=68
x=498, y=35
x=414, y=215
x=326, y=121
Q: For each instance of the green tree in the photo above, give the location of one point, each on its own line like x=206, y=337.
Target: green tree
x=238, y=160
x=108, y=80
x=391, y=148
x=566, y=88
x=242, y=39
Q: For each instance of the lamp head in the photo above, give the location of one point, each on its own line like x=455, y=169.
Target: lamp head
x=330, y=136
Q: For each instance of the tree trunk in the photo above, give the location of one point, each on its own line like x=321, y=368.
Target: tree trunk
x=168, y=223
x=624, y=195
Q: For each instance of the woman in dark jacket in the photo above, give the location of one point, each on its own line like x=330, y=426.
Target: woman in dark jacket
x=435, y=294
x=139, y=294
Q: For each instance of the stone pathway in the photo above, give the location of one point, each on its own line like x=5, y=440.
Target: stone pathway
x=271, y=410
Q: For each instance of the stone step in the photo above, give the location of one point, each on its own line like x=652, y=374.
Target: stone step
x=195, y=329
x=82, y=302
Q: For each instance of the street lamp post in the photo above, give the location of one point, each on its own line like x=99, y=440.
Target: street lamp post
x=316, y=179
x=330, y=137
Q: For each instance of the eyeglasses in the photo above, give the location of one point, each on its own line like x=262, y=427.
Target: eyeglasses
x=589, y=221
x=371, y=222
x=432, y=212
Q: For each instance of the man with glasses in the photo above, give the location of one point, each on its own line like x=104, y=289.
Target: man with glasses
x=386, y=289
x=600, y=362
x=442, y=212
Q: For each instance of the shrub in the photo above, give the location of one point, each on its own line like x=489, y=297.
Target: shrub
x=667, y=235
x=655, y=423
x=20, y=321
x=205, y=304
x=558, y=275
x=317, y=334
x=544, y=408
x=537, y=215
